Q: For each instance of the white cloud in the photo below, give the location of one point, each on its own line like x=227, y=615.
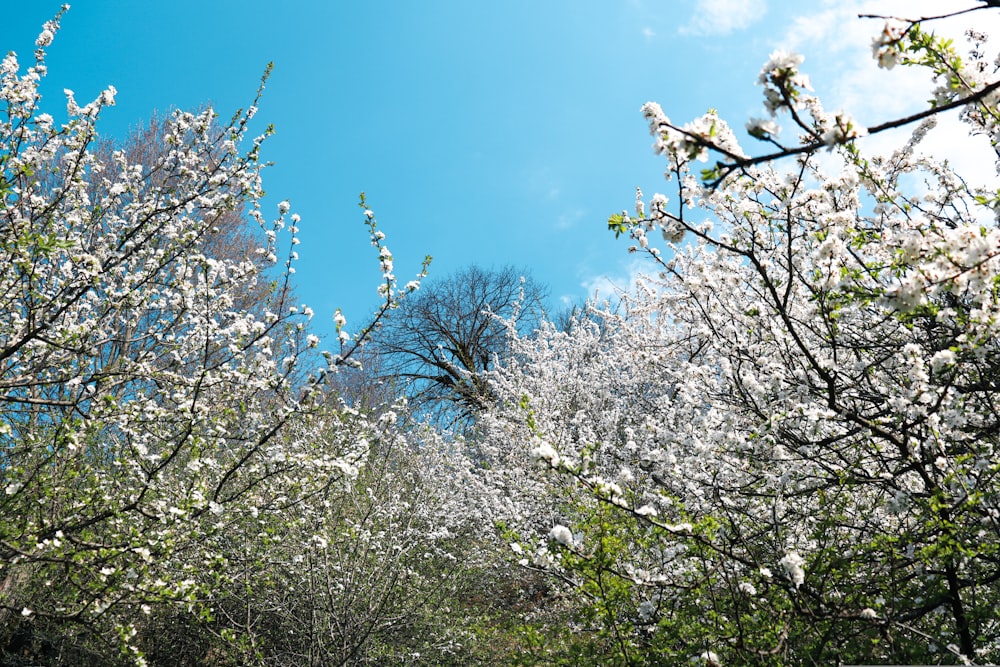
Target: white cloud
x=606, y=287
x=648, y=32
x=568, y=219
x=721, y=17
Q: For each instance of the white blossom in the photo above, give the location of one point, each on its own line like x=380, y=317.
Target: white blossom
x=792, y=564
x=562, y=535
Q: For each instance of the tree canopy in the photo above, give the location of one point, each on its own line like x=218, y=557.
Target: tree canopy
x=783, y=451
x=442, y=339
x=781, y=447
x=172, y=486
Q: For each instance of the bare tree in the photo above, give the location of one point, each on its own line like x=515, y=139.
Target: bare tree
x=441, y=339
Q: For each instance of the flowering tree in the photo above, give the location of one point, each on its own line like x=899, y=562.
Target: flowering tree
x=782, y=448
x=159, y=430
x=230, y=236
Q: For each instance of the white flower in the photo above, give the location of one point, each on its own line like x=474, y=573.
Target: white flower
x=71, y=106
x=780, y=62
x=792, y=565
x=886, y=47
x=709, y=659
x=545, y=452
x=607, y=489
x=781, y=80
x=654, y=114
x=942, y=360
x=283, y=207
x=562, y=535
x=646, y=510
x=673, y=232
x=108, y=96
x=761, y=128
x=868, y=613
x=658, y=206
x=843, y=128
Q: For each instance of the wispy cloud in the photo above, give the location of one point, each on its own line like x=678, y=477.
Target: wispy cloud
x=569, y=219
x=610, y=287
x=542, y=181
x=721, y=17
x=648, y=32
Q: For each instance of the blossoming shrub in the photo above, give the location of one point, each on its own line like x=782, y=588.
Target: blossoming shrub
x=140, y=405
x=174, y=488
x=365, y=570
x=782, y=448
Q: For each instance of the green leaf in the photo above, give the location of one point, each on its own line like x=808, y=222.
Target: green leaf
x=618, y=224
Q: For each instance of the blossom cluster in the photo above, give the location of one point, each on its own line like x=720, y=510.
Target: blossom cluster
x=788, y=418
x=167, y=450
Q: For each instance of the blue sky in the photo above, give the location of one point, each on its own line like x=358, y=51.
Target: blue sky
x=489, y=133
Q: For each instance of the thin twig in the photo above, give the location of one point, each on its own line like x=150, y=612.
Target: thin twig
x=986, y=4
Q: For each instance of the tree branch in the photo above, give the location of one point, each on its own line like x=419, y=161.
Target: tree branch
x=727, y=168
